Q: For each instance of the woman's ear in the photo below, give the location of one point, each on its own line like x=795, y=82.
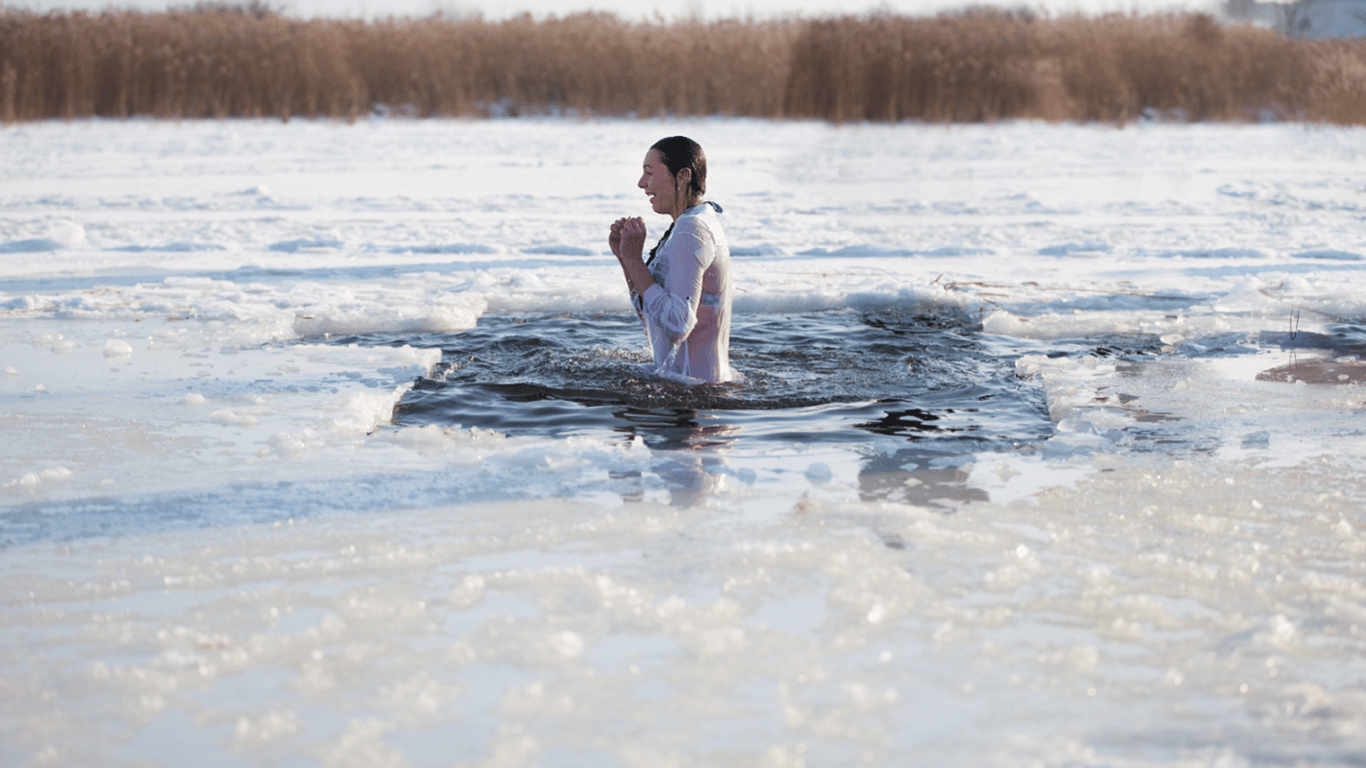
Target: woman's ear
x=684, y=177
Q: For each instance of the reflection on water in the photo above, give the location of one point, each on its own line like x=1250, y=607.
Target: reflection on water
x=911, y=421
x=676, y=429
x=690, y=451
x=912, y=477
x=688, y=447
x=1317, y=370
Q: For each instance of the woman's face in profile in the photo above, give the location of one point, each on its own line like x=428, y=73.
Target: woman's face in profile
x=658, y=183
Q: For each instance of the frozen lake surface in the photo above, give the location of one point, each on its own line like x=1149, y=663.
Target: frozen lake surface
x=325, y=444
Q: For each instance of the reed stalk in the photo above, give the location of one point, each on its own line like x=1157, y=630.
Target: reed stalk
x=218, y=61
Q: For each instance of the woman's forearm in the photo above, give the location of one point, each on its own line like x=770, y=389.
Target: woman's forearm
x=638, y=276
x=625, y=273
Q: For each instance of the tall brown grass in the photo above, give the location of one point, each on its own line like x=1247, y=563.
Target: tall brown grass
x=221, y=61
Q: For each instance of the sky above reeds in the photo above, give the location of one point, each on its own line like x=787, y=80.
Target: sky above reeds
x=630, y=9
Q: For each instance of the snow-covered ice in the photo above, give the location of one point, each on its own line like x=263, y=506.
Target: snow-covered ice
x=215, y=544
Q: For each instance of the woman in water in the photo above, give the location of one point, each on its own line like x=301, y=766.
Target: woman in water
x=683, y=291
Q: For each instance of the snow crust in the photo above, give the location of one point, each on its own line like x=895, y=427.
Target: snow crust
x=216, y=544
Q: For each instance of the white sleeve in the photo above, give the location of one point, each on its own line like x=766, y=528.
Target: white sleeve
x=673, y=306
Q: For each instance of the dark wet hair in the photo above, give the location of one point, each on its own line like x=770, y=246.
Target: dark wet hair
x=679, y=152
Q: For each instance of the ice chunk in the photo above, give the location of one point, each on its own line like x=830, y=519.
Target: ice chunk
x=18, y=304
x=116, y=350
x=66, y=233
x=228, y=417
x=819, y=473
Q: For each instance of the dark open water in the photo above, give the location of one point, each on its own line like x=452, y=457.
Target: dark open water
x=839, y=377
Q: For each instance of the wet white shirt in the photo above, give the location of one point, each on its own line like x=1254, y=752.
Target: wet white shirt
x=687, y=311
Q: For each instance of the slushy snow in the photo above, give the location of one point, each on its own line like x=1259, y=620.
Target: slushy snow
x=218, y=547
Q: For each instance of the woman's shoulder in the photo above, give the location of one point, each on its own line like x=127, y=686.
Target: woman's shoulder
x=706, y=209
x=698, y=232
x=701, y=217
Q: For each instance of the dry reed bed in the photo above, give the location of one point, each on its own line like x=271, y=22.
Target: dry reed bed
x=970, y=66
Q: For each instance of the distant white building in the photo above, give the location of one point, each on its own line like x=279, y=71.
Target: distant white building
x=1302, y=18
